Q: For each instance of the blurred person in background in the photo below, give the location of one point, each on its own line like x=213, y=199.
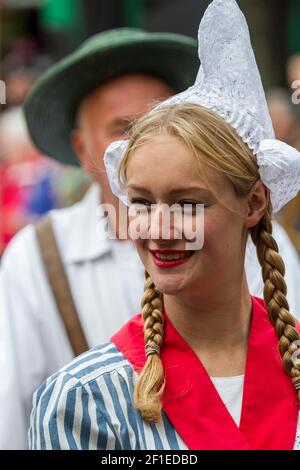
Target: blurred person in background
x=31, y=183
x=22, y=168
x=293, y=70
x=285, y=119
x=21, y=67
x=76, y=109
x=19, y=80
x=283, y=114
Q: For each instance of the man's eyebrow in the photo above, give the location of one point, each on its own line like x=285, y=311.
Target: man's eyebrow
x=124, y=121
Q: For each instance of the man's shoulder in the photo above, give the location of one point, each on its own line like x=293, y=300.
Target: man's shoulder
x=26, y=237
x=89, y=202
x=64, y=215
x=283, y=240
x=20, y=247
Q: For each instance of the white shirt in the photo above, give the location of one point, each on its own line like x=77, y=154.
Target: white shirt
x=106, y=279
x=230, y=390
x=291, y=260
x=107, y=282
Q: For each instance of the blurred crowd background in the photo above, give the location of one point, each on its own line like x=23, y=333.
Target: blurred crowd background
x=36, y=33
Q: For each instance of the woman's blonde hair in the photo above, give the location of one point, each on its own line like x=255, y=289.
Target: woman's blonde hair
x=221, y=149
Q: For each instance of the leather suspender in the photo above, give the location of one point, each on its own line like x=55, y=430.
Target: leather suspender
x=60, y=286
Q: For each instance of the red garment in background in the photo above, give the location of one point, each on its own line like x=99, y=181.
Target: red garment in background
x=11, y=201
x=18, y=184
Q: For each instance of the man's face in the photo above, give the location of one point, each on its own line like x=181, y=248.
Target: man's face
x=105, y=114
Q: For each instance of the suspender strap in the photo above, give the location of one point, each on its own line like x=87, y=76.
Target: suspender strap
x=60, y=286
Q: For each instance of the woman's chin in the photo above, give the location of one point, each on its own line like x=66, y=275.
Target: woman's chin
x=170, y=286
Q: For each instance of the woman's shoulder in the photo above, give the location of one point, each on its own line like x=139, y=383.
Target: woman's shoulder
x=89, y=366
x=75, y=393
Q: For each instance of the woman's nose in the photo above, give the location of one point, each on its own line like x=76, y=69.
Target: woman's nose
x=165, y=223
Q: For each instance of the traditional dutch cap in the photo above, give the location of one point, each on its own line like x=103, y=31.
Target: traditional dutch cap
x=229, y=83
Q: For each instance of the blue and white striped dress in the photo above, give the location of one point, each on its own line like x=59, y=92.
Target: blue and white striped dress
x=89, y=405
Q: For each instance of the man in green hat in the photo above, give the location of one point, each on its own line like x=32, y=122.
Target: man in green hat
x=64, y=286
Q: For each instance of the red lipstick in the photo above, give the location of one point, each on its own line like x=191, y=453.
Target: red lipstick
x=170, y=263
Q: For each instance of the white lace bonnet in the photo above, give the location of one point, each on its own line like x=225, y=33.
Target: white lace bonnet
x=229, y=84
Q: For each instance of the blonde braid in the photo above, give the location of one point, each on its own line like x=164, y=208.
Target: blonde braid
x=150, y=385
x=275, y=291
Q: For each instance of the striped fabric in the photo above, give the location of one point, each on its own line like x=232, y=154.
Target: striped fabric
x=88, y=404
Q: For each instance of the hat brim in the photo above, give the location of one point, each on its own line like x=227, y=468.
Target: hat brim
x=51, y=107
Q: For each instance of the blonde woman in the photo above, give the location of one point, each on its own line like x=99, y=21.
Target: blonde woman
x=205, y=365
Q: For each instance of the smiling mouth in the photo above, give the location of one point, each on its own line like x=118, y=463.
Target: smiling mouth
x=170, y=258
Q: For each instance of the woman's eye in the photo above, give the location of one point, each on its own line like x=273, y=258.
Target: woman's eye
x=192, y=204
x=141, y=202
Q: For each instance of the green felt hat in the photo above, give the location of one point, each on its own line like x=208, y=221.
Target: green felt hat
x=50, y=109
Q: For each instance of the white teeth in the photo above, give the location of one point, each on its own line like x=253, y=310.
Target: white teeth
x=170, y=257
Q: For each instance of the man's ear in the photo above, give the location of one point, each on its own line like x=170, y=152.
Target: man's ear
x=77, y=142
x=258, y=201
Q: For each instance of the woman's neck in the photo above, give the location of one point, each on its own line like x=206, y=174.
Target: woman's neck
x=215, y=326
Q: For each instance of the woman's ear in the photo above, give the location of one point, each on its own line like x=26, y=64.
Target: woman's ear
x=258, y=201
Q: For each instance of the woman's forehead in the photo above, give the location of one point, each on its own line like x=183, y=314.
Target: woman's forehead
x=160, y=153
x=168, y=161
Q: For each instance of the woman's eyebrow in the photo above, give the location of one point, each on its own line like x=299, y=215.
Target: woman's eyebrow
x=187, y=189
x=172, y=192
x=138, y=188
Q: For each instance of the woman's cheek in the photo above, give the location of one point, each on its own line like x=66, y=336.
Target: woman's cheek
x=139, y=245
x=210, y=233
